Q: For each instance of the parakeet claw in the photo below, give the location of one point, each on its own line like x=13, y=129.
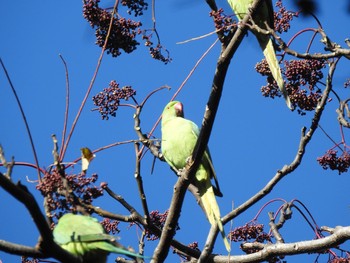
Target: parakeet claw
x=179, y=172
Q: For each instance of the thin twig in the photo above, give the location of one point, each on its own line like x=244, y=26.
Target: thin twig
x=24, y=118
x=198, y=38
x=67, y=102
x=139, y=181
x=72, y=163
x=329, y=137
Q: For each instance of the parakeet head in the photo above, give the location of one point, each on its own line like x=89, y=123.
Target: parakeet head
x=173, y=109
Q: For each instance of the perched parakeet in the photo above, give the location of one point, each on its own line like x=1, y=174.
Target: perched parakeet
x=263, y=16
x=179, y=137
x=85, y=238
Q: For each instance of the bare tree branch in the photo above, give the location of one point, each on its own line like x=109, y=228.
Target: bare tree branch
x=336, y=50
x=338, y=236
x=274, y=228
x=22, y=250
x=343, y=106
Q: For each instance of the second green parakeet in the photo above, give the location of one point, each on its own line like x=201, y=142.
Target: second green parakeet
x=263, y=16
x=84, y=237
x=179, y=137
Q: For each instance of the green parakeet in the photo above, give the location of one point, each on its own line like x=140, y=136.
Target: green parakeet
x=263, y=16
x=179, y=137
x=85, y=238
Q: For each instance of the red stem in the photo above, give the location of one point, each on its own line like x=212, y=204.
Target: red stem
x=64, y=149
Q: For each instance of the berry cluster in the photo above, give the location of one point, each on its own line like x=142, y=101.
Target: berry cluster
x=263, y=68
x=248, y=232
x=305, y=101
x=271, y=90
x=157, y=219
x=304, y=72
x=340, y=260
x=135, y=6
x=110, y=226
x=331, y=161
x=156, y=52
x=347, y=83
x=223, y=23
x=27, y=260
x=193, y=245
x=108, y=100
x=278, y=259
x=299, y=74
x=52, y=187
x=282, y=18
x=123, y=31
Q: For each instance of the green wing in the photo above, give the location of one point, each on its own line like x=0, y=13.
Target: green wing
x=85, y=237
x=207, y=162
x=70, y=226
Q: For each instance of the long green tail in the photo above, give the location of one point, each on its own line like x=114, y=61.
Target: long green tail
x=213, y=213
x=270, y=55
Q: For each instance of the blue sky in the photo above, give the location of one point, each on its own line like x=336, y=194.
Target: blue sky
x=252, y=138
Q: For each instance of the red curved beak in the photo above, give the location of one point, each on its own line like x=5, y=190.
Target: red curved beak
x=179, y=109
